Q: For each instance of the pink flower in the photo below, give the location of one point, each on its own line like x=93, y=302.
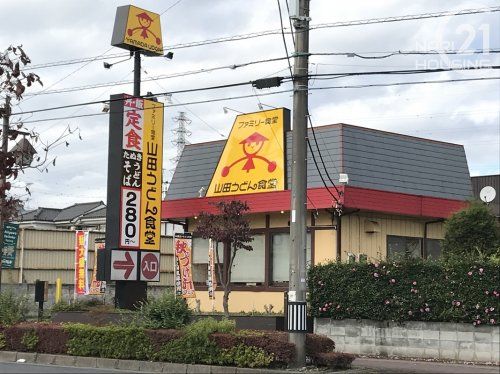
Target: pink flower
x=481, y=270
x=492, y=309
x=375, y=275
x=319, y=309
x=457, y=303
x=469, y=273
x=410, y=312
x=392, y=281
x=376, y=265
x=492, y=320
x=386, y=302
x=486, y=292
x=427, y=309
x=474, y=323
x=338, y=306
x=478, y=322
x=421, y=310
x=414, y=283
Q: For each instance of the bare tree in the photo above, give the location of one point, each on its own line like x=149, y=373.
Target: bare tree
x=13, y=83
x=230, y=227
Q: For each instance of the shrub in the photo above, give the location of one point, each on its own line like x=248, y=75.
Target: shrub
x=473, y=232
x=195, y=346
x=245, y=356
x=165, y=312
x=334, y=360
x=13, y=309
x=76, y=306
x=412, y=290
x=30, y=340
x=109, y=341
x=3, y=342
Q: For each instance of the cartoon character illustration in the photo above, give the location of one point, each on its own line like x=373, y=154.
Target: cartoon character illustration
x=251, y=147
x=145, y=22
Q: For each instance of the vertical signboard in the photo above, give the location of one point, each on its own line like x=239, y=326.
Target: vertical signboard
x=183, y=245
x=97, y=287
x=212, y=280
x=133, y=216
x=10, y=236
x=81, y=251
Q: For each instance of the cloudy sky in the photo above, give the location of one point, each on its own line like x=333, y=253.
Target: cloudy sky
x=61, y=30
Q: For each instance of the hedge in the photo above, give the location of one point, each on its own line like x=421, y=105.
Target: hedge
x=413, y=290
x=203, y=342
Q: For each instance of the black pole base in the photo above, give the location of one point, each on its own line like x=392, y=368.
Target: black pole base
x=129, y=295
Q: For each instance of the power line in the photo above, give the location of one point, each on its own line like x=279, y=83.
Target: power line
x=405, y=53
x=409, y=17
x=266, y=94
x=319, y=153
x=158, y=77
x=234, y=66
x=277, y=31
x=406, y=83
x=284, y=39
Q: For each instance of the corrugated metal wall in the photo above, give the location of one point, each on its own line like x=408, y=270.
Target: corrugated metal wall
x=50, y=254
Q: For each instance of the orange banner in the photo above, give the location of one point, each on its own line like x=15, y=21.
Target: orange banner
x=97, y=287
x=183, y=253
x=81, y=249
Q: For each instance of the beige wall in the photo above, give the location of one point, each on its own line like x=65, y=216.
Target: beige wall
x=356, y=239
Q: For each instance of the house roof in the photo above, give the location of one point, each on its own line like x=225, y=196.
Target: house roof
x=76, y=210
x=99, y=212
x=40, y=214
x=373, y=159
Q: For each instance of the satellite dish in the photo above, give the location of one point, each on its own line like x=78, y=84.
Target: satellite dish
x=487, y=194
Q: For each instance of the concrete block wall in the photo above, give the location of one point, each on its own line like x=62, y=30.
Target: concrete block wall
x=438, y=340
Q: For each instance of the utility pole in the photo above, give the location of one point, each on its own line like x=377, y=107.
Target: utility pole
x=296, y=313
x=3, y=179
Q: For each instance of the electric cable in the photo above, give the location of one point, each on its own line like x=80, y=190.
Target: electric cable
x=278, y=31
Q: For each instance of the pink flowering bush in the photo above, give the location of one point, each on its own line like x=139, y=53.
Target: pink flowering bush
x=413, y=290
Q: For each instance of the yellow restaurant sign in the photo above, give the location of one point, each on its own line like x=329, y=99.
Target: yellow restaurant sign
x=253, y=159
x=137, y=29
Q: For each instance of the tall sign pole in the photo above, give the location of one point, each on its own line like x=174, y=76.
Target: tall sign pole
x=132, y=251
x=296, y=313
x=5, y=142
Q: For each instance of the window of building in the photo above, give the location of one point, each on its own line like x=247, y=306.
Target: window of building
x=249, y=266
x=200, y=259
x=280, y=256
x=399, y=247
x=433, y=248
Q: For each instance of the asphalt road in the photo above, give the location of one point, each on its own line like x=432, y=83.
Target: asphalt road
x=378, y=365
x=34, y=368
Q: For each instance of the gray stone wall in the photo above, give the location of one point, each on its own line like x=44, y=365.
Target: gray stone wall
x=438, y=340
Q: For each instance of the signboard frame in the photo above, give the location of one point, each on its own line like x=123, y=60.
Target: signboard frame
x=135, y=159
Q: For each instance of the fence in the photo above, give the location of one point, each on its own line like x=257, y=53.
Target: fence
x=50, y=254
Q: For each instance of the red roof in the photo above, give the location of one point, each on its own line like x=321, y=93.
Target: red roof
x=350, y=197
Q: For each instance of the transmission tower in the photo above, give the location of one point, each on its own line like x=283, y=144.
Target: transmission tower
x=181, y=133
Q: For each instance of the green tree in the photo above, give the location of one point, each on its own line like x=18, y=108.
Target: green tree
x=472, y=232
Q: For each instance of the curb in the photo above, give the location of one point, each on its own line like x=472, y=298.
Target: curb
x=131, y=365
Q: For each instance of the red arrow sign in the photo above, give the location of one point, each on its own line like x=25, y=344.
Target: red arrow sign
x=127, y=265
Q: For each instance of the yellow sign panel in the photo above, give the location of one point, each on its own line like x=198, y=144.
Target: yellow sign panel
x=152, y=154
x=253, y=159
x=136, y=28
